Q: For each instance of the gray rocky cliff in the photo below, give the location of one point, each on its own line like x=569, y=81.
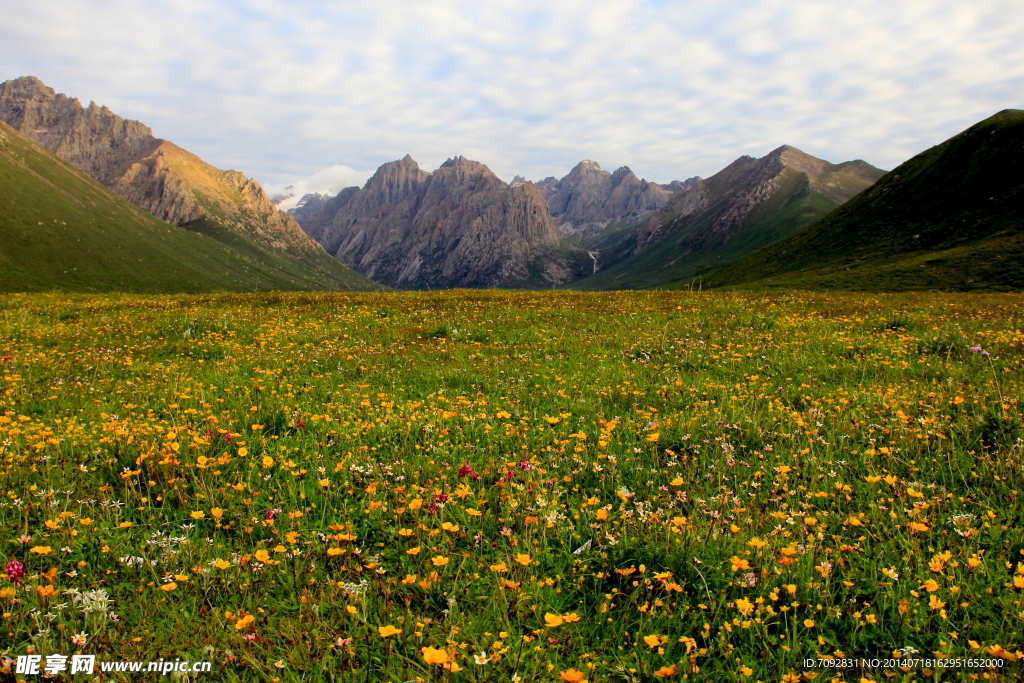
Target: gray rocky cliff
x=460, y=226
x=589, y=198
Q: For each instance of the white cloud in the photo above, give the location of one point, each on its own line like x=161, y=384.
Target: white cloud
x=327, y=181
x=671, y=88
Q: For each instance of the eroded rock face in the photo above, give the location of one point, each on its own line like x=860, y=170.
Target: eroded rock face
x=460, y=226
x=589, y=198
x=155, y=175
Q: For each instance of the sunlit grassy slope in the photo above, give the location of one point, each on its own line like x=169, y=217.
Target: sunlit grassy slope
x=506, y=486
x=59, y=229
x=951, y=218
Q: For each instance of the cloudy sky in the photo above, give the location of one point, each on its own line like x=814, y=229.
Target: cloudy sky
x=324, y=92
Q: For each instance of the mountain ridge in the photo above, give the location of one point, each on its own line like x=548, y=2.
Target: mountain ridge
x=948, y=218
x=747, y=205
x=160, y=177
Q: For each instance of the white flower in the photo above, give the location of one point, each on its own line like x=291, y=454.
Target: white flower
x=481, y=658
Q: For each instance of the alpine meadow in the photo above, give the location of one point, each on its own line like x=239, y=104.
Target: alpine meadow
x=617, y=341
x=516, y=486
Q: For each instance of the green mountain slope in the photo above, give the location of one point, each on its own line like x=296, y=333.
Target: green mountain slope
x=743, y=208
x=60, y=229
x=951, y=218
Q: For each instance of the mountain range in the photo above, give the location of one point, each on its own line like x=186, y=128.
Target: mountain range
x=460, y=226
x=742, y=208
x=90, y=201
x=173, y=185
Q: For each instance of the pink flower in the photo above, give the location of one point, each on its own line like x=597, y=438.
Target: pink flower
x=15, y=570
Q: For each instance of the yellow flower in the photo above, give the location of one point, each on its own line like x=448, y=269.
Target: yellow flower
x=244, y=621
x=653, y=640
x=262, y=555
x=500, y=567
x=351, y=609
x=667, y=671
x=918, y=526
x=439, y=560
x=810, y=521
x=448, y=526
x=267, y=461
x=243, y=451
x=433, y=656
x=935, y=603
x=389, y=630
x=809, y=623
x=86, y=521
x=552, y=620
x=746, y=670
x=653, y=437
x=197, y=514
x=602, y=514
x=413, y=551
x=573, y=676
x=930, y=585
x=415, y=503
x=757, y=542
x=405, y=532
x=221, y=564
x=168, y=587
x=40, y=549
x=473, y=513
x=678, y=481
x=551, y=420
x=738, y=563
x=46, y=591
x=333, y=552
x=523, y=559
x=124, y=525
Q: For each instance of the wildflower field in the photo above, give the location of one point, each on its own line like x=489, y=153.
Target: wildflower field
x=499, y=486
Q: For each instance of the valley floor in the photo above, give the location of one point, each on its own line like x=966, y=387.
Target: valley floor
x=497, y=485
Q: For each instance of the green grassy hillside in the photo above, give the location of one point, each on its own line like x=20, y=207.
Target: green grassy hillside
x=951, y=218
x=59, y=229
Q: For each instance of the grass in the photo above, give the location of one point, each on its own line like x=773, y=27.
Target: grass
x=535, y=486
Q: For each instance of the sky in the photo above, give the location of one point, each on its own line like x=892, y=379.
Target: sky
x=317, y=95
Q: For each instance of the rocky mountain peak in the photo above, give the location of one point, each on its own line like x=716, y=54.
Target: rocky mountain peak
x=800, y=161
x=588, y=198
x=460, y=226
